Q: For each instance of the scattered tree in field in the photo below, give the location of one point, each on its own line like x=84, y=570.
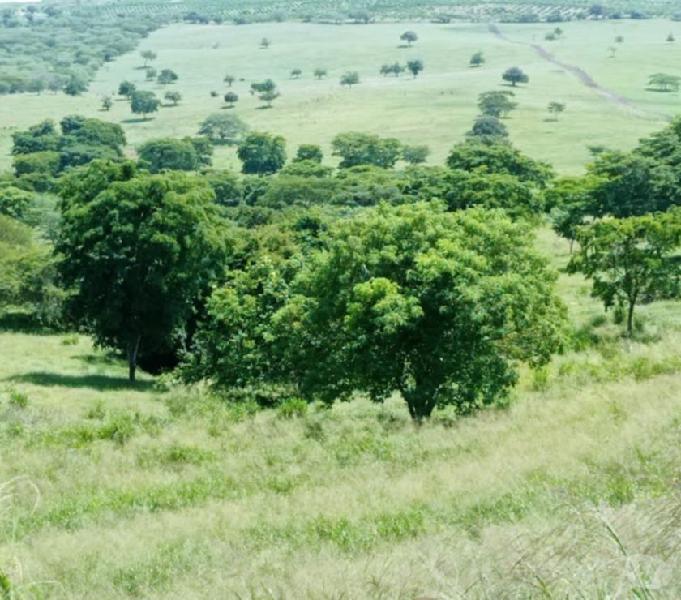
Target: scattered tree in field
x=350, y=78
x=443, y=317
x=151, y=74
x=632, y=260
x=231, y=98
x=410, y=37
x=477, y=59
x=148, y=56
x=265, y=43
x=613, y=51
x=619, y=39
x=415, y=67
x=320, y=73
x=229, y=80
x=662, y=82
x=75, y=86
x=496, y=104
x=107, y=103
x=173, y=97
x=310, y=152
x=144, y=103
x=366, y=149
x=555, y=109
x=269, y=97
x=262, y=87
x=489, y=128
x=222, y=128
x=671, y=38
x=262, y=153
x=394, y=69
x=415, y=155
x=296, y=73
x=139, y=256
x=515, y=75
x=126, y=89
x=167, y=76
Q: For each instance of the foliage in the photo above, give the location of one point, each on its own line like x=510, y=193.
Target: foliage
x=415, y=66
x=499, y=158
x=144, y=103
x=139, y=252
x=410, y=37
x=439, y=306
x=172, y=154
x=488, y=129
x=173, y=97
x=632, y=260
x=663, y=82
x=515, y=75
x=262, y=153
x=167, y=76
x=415, y=155
x=477, y=59
x=496, y=104
x=350, y=78
x=225, y=129
x=365, y=149
x=311, y=152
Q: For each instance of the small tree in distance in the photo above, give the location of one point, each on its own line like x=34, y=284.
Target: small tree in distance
x=126, y=89
x=296, y=73
x=265, y=43
x=107, y=103
x=415, y=67
x=350, y=78
x=555, y=108
x=410, y=37
x=229, y=80
x=173, y=97
x=221, y=128
x=148, y=56
x=144, y=103
x=231, y=99
x=415, y=155
x=496, y=103
x=477, y=59
x=320, y=73
x=515, y=75
x=167, y=76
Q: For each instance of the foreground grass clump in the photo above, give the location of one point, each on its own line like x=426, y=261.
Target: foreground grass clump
x=120, y=491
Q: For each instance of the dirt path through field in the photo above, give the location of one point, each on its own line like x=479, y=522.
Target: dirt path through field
x=583, y=77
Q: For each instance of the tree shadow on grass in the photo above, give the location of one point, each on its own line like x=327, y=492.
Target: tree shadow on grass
x=95, y=382
x=136, y=120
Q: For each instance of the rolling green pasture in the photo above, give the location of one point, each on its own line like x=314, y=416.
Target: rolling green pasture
x=112, y=492
x=436, y=109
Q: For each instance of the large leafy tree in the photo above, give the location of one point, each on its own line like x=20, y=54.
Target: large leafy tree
x=632, y=260
x=173, y=154
x=439, y=306
x=500, y=158
x=262, y=153
x=139, y=251
x=366, y=149
x=496, y=103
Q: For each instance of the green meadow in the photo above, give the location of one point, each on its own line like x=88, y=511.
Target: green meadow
x=111, y=491
x=437, y=108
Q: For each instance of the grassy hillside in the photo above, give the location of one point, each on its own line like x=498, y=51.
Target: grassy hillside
x=436, y=109
x=114, y=492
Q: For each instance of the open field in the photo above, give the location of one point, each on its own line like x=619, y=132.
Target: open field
x=111, y=492
x=436, y=109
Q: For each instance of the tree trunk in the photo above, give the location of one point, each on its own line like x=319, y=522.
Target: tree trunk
x=630, y=318
x=421, y=401
x=133, y=350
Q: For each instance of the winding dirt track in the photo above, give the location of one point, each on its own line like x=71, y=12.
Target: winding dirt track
x=582, y=76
